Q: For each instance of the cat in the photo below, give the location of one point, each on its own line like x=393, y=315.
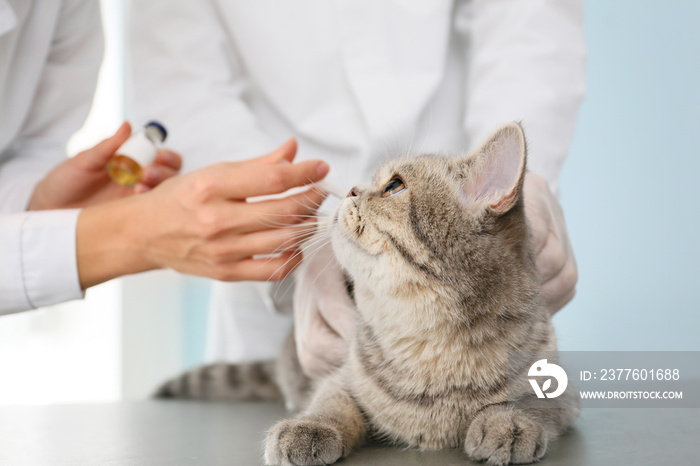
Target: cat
x=443, y=276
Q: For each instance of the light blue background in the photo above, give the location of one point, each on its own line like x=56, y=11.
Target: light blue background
x=629, y=187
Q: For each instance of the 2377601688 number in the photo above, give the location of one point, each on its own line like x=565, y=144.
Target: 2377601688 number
x=639, y=374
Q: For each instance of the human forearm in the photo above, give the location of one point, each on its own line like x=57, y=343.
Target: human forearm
x=110, y=243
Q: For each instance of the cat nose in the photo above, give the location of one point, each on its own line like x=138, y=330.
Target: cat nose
x=353, y=192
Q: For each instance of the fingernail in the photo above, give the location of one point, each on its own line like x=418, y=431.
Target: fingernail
x=151, y=174
x=284, y=150
x=124, y=126
x=168, y=157
x=322, y=169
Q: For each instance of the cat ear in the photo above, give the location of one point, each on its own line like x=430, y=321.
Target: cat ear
x=493, y=175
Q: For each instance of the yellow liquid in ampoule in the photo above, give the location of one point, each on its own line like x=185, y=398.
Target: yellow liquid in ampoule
x=124, y=171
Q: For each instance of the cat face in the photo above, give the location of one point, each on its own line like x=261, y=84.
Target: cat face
x=431, y=221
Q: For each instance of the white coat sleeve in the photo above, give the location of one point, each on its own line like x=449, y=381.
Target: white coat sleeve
x=61, y=102
x=37, y=259
x=38, y=265
x=184, y=72
x=526, y=63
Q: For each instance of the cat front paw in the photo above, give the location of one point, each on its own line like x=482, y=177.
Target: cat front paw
x=303, y=442
x=505, y=436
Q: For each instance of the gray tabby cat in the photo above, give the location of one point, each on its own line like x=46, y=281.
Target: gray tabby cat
x=445, y=285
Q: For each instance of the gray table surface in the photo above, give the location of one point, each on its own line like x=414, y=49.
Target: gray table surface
x=196, y=433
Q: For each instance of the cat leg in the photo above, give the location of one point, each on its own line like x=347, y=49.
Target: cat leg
x=296, y=386
x=328, y=430
x=501, y=434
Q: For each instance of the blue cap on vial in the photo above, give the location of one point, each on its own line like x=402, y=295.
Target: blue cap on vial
x=163, y=133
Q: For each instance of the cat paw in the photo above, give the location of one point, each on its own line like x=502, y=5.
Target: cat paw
x=505, y=436
x=303, y=442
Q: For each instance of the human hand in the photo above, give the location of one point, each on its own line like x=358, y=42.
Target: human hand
x=554, y=257
x=82, y=181
x=324, y=314
x=201, y=223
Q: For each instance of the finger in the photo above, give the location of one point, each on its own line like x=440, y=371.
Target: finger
x=341, y=316
x=168, y=158
x=538, y=201
x=556, y=306
x=97, y=157
x=272, y=241
x=153, y=175
x=540, y=226
x=325, y=343
x=325, y=350
x=287, y=151
x=538, y=237
x=556, y=301
x=262, y=269
x=334, y=303
x=551, y=259
x=561, y=289
x=275, y=213
x=236, y=182
x=141, y=188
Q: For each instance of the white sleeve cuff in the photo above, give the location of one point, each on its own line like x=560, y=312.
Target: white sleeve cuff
x=39, y=265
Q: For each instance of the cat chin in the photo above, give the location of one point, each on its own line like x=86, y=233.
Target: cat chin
x=351, y=255
x=360, y=264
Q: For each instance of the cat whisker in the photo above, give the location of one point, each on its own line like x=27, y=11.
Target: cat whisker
x=292, y=215
x=294, y=256
x=281, y=225
x=293, y=240
x=275, y=224
x=322, y=240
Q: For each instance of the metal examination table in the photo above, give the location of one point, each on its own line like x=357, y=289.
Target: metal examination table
x=158, y=433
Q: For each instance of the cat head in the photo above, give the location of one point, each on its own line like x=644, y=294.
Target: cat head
x=451, y=225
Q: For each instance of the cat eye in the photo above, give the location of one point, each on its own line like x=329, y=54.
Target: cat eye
x=395, y=186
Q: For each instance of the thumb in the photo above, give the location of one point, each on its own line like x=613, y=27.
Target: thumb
x=97, y=157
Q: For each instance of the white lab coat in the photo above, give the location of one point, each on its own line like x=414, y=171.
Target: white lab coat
x=356, y=82
x=50, y=53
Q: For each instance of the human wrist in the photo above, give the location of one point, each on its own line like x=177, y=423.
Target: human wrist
x=37, y=200
x=111, y=242
x=34, y=203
